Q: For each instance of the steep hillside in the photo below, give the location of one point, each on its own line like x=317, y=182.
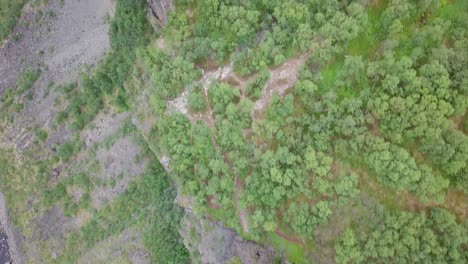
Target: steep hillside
x=74, y=168
x=220, y=131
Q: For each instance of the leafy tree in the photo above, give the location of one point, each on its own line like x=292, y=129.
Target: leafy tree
x=255, y=87
x=226, y=24
x=405, y=237
x=347, y=249
x=304, y=218
x=395, y=168
x=397, y=9
x=221, y=95
x=341, y=27
x=298, y=217
x=353, y=73
x=317, y=162
x=169, y=75
x=305, y=90
x=196, y=100
x=240, y=114
x=175, y=139
x=229, y=136
x=346, y=186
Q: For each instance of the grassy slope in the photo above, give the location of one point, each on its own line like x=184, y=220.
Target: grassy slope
x=9, y=13
x=148, y=203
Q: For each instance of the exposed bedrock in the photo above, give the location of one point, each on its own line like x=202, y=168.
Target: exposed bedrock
x=160, y=9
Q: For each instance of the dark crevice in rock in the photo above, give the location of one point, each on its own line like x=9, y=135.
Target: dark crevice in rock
x=160, y=9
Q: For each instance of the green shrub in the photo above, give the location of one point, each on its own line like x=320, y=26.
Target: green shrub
x=254, y=88
x=69, y=149
x=27, y=79
x=55, y=194
x=197, y=101
x=61, y=117
x=41, y=135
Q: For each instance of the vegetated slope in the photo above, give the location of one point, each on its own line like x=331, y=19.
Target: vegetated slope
x=76, y=184
x=378, y=108
x=334, y=131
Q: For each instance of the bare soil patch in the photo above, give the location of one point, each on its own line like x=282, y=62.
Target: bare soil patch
x=289, y=238
x=283, y=78
x=104, y=125
x=60, y=46
x=119, y=168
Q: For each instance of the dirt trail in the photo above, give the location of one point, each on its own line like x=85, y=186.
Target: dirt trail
x=180, y=105
x=282, y=79
x=241, y=212
x=238, y=82
x=292, y=239
x=458, y=122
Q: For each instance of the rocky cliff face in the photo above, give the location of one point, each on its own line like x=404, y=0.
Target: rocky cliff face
x=160, y=9
x=211, y=242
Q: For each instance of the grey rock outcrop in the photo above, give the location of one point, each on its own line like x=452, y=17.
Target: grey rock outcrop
x=160, y=9
x=211, y=242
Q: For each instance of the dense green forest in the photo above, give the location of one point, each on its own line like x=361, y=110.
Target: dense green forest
x=363, y=158
x=379, y=108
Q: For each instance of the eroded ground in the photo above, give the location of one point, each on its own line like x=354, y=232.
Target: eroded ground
x=59, y=40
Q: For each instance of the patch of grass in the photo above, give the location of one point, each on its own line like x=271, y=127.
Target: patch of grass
x=10, y=10
x=22, y=183
x=41, y=135
x=329, y=75
x=367, y=41
x=61, y=117
x=67, y=89
x=235, y=260
x=452, y=10
x=60, y=193
x=147, y=204
x=27, y=79
x=55, y=194
x=293, y=251
x=16, y=37
x=7, y=99
x=18, y=107
x=127, y=128
x=69, y=149
x=254, y=88
x=346, y=92
x=228, y=217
